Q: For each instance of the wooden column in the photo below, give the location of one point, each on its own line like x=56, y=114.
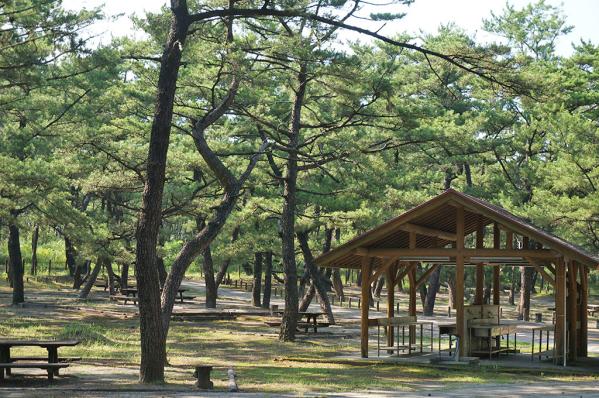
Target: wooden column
x=497, y=268
x=459, y=282
x=560, y=309
x=480, y=271
x=390, y=274
x=412, y=298
x=366, y=271
x=572, y=311
x=584, y=320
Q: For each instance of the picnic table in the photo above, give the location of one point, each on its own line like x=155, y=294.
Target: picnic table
x=311, y=319
x=492, y=331
x=592, y=309
x=52, y=365
x=132, y=292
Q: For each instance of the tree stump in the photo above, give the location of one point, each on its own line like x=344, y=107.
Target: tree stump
x=202, y=373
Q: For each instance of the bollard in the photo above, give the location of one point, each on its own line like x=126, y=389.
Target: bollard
x=202, y=373
x=349, y=303
x=538, y=317
x=377, y=305
x=359, y=303
x=397, y=309
x=232, y=381
x=449, y=312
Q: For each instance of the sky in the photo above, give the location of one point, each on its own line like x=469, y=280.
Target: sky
x=422, y=16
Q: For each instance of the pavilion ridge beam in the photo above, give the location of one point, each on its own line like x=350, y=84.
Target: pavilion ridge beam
x=426, y=231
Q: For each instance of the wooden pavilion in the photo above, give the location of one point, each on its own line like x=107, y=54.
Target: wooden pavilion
x=460, y=230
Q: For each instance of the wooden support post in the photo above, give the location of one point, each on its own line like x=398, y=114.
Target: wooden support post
x=412, y=299
x=584, y=316
x=496, y=269
x=480, y=271
x=572, y=311
x=366, y=271
x=560, y=310
x=390, y=274
x=412, y=302
x=459, y=283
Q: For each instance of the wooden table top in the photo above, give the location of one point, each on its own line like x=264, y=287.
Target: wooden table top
x=38, y=343
x=134, y=290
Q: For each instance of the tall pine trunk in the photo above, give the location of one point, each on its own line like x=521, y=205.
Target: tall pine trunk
x=434, y=282
x=152, y=332
x=257, y=285
x=34, y=240
x=16, y=264
x=289, y=321
x=211, y=290
x=525, y=289
x=267, y=279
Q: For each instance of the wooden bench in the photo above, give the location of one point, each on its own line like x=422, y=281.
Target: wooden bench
x=51, y=368
x=301, y=325
x=123, y=298
x=64, y=359
x=187, y=298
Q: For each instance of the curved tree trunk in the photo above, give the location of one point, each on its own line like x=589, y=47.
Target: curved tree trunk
x=92, y=278
x=16, y=264
x=317, y=280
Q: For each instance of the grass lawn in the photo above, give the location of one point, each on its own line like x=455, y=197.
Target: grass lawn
x=110, y=337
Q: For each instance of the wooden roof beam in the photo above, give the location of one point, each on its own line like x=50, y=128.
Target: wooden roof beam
x=453, y=252
x=426, y=231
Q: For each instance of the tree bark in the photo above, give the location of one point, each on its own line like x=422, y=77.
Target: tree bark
x=16, y=264
x=257, y=285
x=92, y=278
x=267, y=279
x=511, y=297
x=161, y=270
x=211, y=289
x=525, y=288
x=70, y=255
x=316, y=277
x=378, y=287
x=434, y=282
x=34, y=240
x=112, y=278
x=451, y=288
x=289, y=321
x=124, y=275
x=225, y=265
x=153, y=334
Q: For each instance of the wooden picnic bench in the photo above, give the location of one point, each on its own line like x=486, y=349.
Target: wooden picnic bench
x=132, y=292
x=52, y=365
x=310, y=323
